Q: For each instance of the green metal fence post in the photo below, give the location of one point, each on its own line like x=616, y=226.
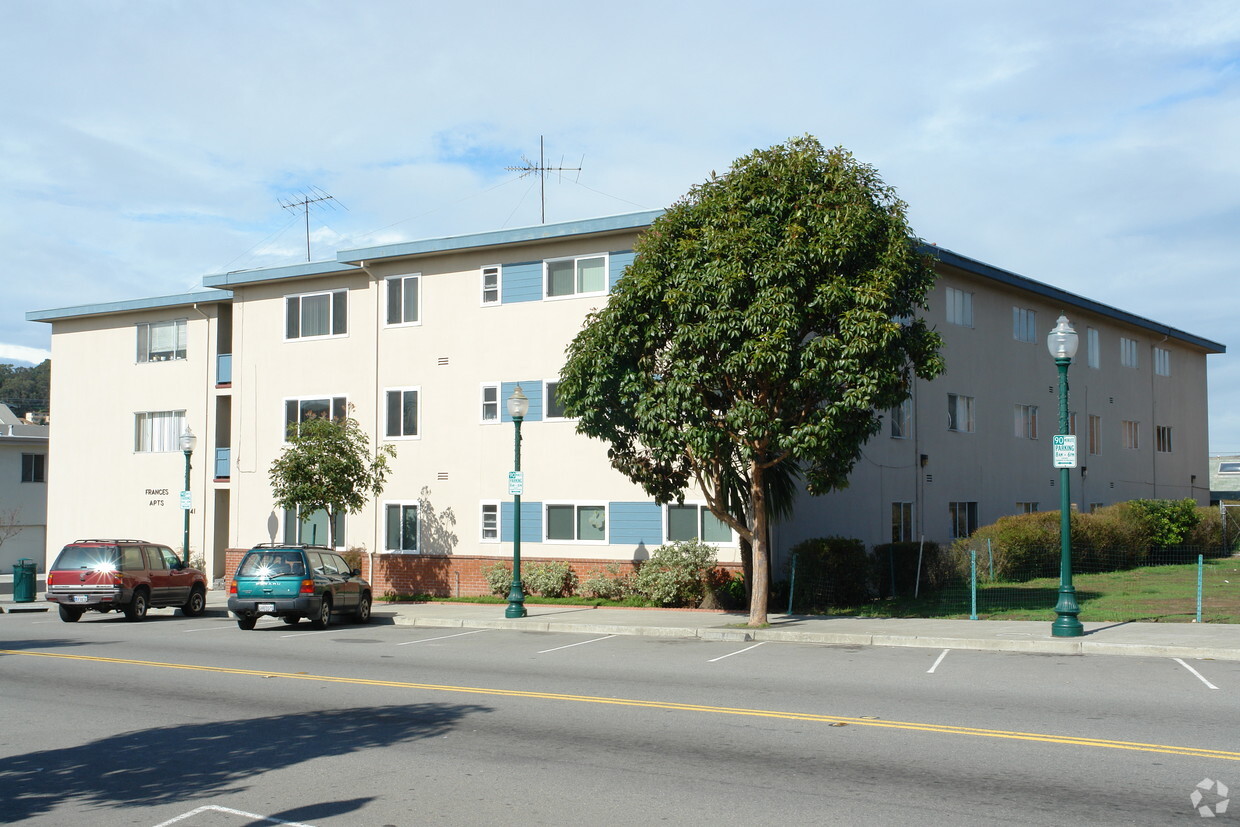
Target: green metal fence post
x=973, y=581
x=990, y=555
x=1200, y=566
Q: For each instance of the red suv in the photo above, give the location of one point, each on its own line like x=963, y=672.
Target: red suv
x=127, y=576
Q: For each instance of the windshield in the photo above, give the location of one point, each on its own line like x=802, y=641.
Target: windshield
x=272, y=564
x=98, y=558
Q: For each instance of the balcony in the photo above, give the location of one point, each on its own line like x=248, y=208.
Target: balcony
x=223, y=369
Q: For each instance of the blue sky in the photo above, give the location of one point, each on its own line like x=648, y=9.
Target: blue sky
x=1091, y=146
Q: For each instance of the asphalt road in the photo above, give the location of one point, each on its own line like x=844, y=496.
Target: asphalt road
x=194, y=722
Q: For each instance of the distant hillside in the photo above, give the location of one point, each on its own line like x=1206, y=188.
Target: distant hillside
x=27, y=390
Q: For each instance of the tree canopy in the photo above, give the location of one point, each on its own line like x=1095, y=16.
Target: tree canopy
x=766, y=323
x=26, y=389
x=327, y=465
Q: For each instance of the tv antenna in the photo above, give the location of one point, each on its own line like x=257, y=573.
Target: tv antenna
x=304, y=202
x=541, y=169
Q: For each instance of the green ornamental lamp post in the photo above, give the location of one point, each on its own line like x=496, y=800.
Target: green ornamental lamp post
x=188, y=441
x=518, y=406
x=1062, y=343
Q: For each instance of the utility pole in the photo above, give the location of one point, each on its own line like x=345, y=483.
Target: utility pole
x=540, y=169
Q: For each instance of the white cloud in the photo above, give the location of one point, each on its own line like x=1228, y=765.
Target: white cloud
x=13, y=354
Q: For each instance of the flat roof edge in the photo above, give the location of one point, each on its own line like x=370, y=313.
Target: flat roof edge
x=288, y=271
x=129, y=305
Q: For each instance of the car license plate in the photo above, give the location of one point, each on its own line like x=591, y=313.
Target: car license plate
x=80, y=598
x=266, y=607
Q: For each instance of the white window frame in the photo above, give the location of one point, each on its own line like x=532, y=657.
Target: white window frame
x=1162, y=439
x=330, y=399
x=1092, y=347
x=145, y=439
x=1095, y=435
x=416, y=390
x=482, y=403
x=482, y=521
x=402, y=505
x=702, y=509
x=1233, y=467
x=1162, y=361
x=1024, y=324
x=959, y=307
x=903, y=523
x=1027, y=421
x=34, y=468
x=331, y=315
x=1130, y=430
x=902, y=420
x=1128, y=352
x=498, y=271
x=576, y=504
x=969, y=516
x=1027, y=508
x=404, y=281
x=960, y=406
x=180, y=341
x=577, y=292
x=546, y=400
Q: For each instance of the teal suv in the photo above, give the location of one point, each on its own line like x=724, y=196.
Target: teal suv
x=295, y=581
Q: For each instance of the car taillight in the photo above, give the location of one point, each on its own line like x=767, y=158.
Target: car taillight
x=307, y=587
x=232, y=587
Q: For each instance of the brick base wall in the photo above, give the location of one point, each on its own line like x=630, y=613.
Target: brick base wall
x=450, y=575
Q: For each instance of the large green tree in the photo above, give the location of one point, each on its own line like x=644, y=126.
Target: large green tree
x=767, y=321
x=327, y=465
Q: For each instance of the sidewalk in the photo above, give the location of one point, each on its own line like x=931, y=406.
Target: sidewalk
x=1182, y=640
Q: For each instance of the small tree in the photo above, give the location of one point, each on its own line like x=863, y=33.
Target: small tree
x=327, y=465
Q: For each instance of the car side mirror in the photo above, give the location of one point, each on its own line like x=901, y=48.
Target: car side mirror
x=356, y=573
x=178, y=565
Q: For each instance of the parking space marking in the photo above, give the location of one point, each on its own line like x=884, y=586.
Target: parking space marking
x=942, y=655
x=578, y=643
x=254, y=817
x=441, y=637
x=737, y=652
x=1200, y=677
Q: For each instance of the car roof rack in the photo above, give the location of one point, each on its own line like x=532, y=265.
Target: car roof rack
x=289, y=545
x=110, y=540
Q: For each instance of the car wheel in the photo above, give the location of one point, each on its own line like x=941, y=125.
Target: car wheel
x=197, y=603
x=69, y=614
x=246, y=622
x=324, y=615
x=291, y=620
x=136, y=610
x=362, y=615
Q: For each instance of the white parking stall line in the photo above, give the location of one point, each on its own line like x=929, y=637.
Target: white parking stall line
x=315, y=632
x=571, y=645
x=737, y=652
x=254, y=818
x=441, y=637
x=1200, y=677
x=942, y=655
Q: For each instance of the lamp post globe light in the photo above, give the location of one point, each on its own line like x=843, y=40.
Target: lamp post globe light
x=188, y=441
x=518, y=406
x=1062, y=343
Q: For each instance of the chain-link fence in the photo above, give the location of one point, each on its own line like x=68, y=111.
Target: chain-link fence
x=910, y=580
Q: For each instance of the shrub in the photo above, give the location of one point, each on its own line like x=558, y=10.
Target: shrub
x=554, y=578
x=830, y=571
x=676, y=573
x=609, y=584
x=499, y=578
x=1166, y=522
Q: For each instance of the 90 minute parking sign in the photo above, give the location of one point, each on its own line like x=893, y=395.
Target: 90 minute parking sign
x=1065, y=450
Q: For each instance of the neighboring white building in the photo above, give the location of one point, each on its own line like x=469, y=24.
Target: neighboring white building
x=23, y=491
x=424, y=341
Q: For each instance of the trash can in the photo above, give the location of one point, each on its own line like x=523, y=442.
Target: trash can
x=23, y=581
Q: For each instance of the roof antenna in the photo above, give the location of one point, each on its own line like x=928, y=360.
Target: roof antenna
x=305, y=201
x=541, y=169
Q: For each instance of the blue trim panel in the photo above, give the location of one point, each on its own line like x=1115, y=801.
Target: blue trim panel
x=636, y=524
x=616, y=263
x=129, y=305
x=533, y=389
x=223, y=457
x=522, y=282
x=223, y=369
x=531, y=522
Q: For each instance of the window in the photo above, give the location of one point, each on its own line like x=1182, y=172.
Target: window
x=1095, y=506
x=490, y=522
x=490, y=403
x=1024, y=324
x=552, y=408
x=1162, y=439
x=400, y=527
x=959, y=413
x=1072, y=422
x=34, y=467
x=902, y=420
x=404, y=299
x=694, y=521
x=963, y=517
x=1229, y=467
x=1162, y=361
x=316, y=315
x=1128, y=352
x=158, y=431
x=1132, y=433
x=161, y=341
x=959, y=307
x=1027, y=421
x=901, y=522
x=1095, y=434
x=491, y=284
x=581, y=276
x=402, y=413
x=299, y=410
x=1091, y=347
x=577, y=522
x=312, y=529
x=1026, y=508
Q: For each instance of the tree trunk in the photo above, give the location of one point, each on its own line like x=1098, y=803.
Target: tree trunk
x=747, y=566
x=331, y=528
x=761, y=565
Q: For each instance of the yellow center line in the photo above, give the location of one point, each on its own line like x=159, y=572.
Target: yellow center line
x=945, y=729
